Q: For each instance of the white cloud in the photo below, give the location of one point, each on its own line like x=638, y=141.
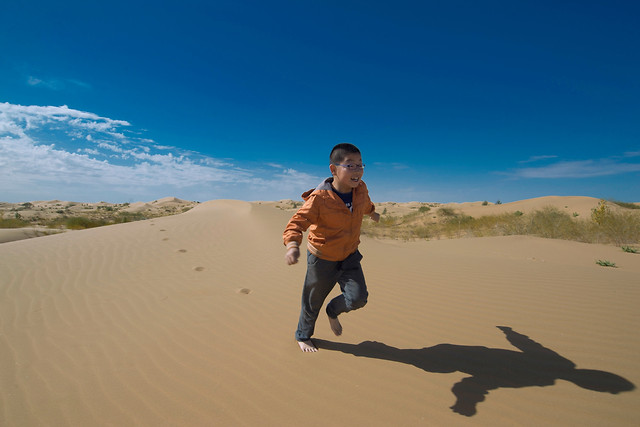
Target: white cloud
x=50, y=84
x=89, y=151
x=56, y=84
x=24, y=118
x=391, y=165
x=538, y=158
x=42, y=157
x=579, y=169
x=79, y=83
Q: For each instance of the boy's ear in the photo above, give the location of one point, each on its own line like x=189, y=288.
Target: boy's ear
x=332, y=168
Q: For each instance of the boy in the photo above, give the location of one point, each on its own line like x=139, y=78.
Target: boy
x=333, y=214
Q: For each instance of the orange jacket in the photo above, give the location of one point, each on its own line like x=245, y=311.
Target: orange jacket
x=334, y=231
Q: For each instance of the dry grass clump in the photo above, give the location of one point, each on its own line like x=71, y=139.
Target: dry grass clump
x=619, y=227
x=626, y=204
x=72, y=222
x=15, y=222
x=76, y=216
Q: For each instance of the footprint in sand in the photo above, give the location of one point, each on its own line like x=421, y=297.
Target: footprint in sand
x=244, y=291
x=182, y=250
x=198, y=268
x=165, y=239
x=162, y=229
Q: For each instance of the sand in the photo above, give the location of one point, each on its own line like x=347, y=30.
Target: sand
x=189, y=320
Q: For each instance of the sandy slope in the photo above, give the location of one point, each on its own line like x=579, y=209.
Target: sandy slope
x=42, y=212
x=579, y=206
x=189, y=320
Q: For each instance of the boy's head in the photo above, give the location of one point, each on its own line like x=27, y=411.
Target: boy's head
x=340, y=151
x=346, y=167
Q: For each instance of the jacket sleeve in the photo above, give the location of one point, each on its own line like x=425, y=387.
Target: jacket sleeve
x=299, y=223
x=369, y=207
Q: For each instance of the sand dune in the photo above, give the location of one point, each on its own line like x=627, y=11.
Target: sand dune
x=189, y=320
x=572, y=205
x=579, y=205
x=45, y=213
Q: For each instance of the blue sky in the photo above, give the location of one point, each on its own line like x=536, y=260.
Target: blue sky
x=449, y=101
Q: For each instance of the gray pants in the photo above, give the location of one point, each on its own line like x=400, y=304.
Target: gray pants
x=321, y=277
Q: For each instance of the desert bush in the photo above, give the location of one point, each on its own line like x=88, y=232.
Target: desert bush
x=613, y=228
x=422, y=233
x=606, y=263
x=81, y=222
x=552, y=223
x=446, y=212
x=13, y=223
x=128, y=217
x=625, y=204
x=600, y=213
x=619, y=228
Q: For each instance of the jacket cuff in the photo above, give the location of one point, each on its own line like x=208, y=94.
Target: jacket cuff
x=292, y=245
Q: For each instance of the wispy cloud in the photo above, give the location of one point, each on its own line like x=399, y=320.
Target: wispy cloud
x=56, y=84
x=51, y=152
x=581, y=168
x=533, y=159
x=392, y=165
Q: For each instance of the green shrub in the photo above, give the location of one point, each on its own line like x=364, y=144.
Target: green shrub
x=128, y=217
x=606, y=263
x=600, y=213
x=626, y=204
x=619, y=228
x=552, y=223
x=446, y=212
x=81, y=222
x=13, y=223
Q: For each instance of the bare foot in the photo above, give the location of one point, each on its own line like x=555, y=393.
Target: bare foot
x=336, y=327
x=307, y=346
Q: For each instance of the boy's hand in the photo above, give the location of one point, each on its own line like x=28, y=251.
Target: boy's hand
x=375, y=216
x=292, y=256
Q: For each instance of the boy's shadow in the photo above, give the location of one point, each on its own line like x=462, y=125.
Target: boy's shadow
x=490, y=368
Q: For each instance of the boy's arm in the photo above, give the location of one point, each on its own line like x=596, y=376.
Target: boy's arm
x=293, y=232
x=370, y=207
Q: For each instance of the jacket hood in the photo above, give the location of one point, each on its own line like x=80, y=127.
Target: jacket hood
x=324, y=185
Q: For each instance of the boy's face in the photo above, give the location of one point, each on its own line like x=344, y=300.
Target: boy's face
x=344, y=178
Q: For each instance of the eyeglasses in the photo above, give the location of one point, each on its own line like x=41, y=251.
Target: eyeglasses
x=351, y=167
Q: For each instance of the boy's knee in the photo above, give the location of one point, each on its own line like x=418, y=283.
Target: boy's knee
x=354, y=304
x=359, y=304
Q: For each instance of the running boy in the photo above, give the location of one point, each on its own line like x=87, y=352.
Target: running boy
x=333, y=214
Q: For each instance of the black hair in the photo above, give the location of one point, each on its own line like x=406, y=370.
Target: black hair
x=340, y=151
